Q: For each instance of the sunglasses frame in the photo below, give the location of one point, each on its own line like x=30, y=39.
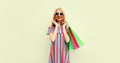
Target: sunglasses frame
x=61, y=13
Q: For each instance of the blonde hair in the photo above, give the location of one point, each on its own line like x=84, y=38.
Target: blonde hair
x=54, y=18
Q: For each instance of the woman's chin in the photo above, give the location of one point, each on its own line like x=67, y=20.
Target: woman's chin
x=59, y=20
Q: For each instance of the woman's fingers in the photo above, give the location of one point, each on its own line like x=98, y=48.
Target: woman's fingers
x=55, y=22
x=64, y=24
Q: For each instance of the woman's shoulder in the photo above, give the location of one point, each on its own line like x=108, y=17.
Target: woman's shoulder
x=51, y=27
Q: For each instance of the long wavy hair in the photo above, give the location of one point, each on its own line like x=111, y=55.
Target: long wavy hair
x=54, y=18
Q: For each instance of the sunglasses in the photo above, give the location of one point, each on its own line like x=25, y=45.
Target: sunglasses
x=59, y=13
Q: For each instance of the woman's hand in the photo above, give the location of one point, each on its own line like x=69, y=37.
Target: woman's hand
x=65, y=23
x=54, y=22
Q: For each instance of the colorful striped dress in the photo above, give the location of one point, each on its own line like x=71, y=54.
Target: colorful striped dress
x=59, y=48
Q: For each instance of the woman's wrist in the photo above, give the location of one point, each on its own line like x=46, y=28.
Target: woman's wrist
x=56, y=26
x=64, y=30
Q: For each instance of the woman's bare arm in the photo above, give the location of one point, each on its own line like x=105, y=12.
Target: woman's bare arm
x=66, y=35
x=53, y=35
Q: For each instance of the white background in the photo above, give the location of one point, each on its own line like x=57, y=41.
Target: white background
x=24, y=23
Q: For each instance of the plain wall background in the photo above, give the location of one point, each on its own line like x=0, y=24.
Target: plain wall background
x=24, y=23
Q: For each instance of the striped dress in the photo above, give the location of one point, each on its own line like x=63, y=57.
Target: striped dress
x=59, y=48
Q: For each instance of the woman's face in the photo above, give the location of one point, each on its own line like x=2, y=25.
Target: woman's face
x=59, y=15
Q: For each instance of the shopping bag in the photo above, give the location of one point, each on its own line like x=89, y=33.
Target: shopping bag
x=75, y=41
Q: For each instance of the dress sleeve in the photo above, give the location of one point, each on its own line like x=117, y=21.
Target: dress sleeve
x=50, y=30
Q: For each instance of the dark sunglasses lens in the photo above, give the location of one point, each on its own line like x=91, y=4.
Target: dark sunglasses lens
x=61, y=13
x=56, y=13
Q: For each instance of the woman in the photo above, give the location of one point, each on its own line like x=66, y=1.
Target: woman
x=59, y=38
